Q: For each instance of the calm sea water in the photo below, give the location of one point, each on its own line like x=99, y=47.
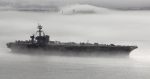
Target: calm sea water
x=129, y=28
x=14, y=66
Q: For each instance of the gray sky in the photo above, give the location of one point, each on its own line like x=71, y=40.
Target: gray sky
x=122, y=4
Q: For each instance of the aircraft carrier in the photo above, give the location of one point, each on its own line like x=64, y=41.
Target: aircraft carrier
x=41, y=44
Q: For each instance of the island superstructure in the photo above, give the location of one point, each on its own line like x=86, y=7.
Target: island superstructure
x=41, y=43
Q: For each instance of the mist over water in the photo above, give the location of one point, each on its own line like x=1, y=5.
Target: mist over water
x=118, y=27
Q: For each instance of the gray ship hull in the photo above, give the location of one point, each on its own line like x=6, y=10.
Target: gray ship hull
x=72, y=50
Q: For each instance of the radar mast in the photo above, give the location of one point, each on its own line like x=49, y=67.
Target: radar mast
x=40, y=29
